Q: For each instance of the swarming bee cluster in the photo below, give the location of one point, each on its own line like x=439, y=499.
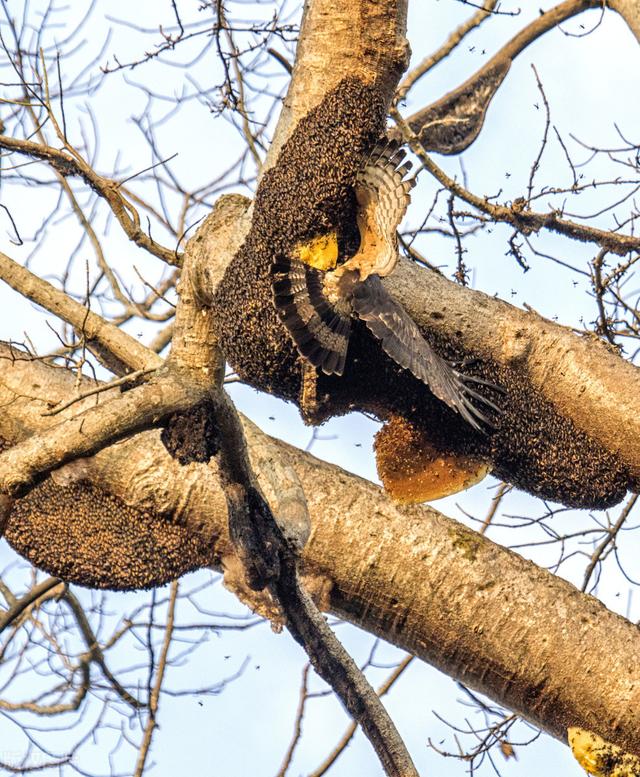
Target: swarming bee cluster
x=87, y=536
x=306, y=194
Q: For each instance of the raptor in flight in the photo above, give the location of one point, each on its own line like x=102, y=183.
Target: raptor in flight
x=317, y=298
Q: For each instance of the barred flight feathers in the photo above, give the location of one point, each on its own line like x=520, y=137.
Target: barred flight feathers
x=316, y=302
x=383, y=195
x=319, y=332
x=403, y=342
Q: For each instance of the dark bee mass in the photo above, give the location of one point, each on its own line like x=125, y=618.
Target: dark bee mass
x=87, y=536
x=532, y=446
x=542, y=452
x=308, y=192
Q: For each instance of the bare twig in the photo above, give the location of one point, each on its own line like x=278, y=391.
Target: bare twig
x=27, y=600
x=144, y=407
x=526, y=221
x=130, y=377
x=297, y=728
x=94, y=650
x=351, y=730
x=610, y=539
x=154, y=698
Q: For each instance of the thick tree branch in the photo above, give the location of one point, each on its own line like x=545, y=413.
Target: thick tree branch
x=267, y=544
x=144, y=407
x=477, y=611
x=630, y=12
x=354, y=38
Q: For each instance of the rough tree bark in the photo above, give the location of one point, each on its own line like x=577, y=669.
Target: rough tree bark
x=411, y=575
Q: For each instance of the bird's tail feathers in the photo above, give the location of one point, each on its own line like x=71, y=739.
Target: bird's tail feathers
x=320, y=333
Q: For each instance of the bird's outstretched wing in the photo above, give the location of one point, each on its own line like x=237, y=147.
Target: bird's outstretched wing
x=403, y=342
x=320, y=333
x=383, y=195
x=319, y=323
x=315, y=306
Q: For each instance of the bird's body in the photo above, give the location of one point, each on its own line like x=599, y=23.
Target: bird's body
x=317, y=298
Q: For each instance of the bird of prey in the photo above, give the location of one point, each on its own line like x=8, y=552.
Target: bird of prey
x=316, y=297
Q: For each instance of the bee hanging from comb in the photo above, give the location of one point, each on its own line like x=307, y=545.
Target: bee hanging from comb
x=316, y=298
